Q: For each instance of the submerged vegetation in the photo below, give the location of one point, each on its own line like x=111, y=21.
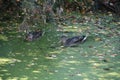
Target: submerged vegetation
x=45, y=58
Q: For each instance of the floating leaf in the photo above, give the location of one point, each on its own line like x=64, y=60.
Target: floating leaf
x=98, y=39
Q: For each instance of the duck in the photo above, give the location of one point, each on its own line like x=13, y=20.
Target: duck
x=73, y=41
x=33, y=35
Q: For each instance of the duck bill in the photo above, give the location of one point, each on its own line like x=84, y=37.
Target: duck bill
x=84, y=38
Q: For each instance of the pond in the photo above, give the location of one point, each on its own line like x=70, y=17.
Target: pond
x=45, y=59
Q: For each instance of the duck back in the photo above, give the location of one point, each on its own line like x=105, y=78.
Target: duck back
x=74, y=41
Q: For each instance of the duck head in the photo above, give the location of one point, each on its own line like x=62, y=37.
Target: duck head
x=83, y=38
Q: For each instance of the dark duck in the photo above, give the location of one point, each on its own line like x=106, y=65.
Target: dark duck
x=33, y=35
x=73, y=41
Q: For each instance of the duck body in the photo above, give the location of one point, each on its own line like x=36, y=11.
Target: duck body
x=73, y=41
x=33, y=35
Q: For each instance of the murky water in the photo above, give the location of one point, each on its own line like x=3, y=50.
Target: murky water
x=45, y=59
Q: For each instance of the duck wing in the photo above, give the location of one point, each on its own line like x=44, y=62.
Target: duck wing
x=72, y=41
x=37, y=34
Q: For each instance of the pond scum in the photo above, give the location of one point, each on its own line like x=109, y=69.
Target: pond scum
x=45, y=59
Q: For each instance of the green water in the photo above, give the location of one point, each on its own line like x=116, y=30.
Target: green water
x=44, y=59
